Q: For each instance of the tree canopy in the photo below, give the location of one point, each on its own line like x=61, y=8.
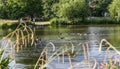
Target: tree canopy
x=72, y=9
x=99, y=6
x=114, y=9
x=14, y=9
x=47, y=9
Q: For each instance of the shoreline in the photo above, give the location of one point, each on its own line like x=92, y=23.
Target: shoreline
x=42, y=23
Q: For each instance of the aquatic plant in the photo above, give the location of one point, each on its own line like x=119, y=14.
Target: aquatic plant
x=18, y=38
x=4, y=62
x=21, y=36
x=111, y=61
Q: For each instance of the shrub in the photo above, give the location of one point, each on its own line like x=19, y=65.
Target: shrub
x=59, y=21
x=4, y=62
x=54, y=21
x=114, y=10
x=63, y=21
x=72, y=9
x=100, y=20
x=5, y=26
x=14, y=25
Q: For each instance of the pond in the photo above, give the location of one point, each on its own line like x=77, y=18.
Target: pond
x=67, y=35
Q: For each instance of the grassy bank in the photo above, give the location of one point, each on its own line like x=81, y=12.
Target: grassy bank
x=100, y=20
x=63, y=21
x=2, y=21
x=10, y=22
x=42, y=23
x=87, y=21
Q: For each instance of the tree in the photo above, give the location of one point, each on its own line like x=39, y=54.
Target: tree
x=72, y=9
x=47, y=8
x=14, y=9
x=114, y=10
x=33, y=7
x=11, y=9
x=100, y=6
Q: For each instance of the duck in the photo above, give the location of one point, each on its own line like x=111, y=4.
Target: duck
x=37, y=41
x=60, y=36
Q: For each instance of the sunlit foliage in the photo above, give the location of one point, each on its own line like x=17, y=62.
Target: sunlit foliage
x=14, y=9
x=114, y=9
x=72, y=9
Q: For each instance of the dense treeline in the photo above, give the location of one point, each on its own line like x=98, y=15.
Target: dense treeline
x=99, y=7
x=73, y=10
x=14, y=9
x=114, y=10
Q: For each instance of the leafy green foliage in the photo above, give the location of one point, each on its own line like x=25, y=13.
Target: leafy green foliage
x=72, y=9
x=59, y=21
x=99, y=6
x=33, y=7
x=114, y=10
x=14, y=9
x=5, y=26
x=11, y=9
x=47, y=8
x=4, y=62
x=14, y=25
x=100, y=20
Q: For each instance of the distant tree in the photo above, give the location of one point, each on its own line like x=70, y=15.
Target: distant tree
x=14, y=9
x=99, y=6
x=33, y=7
x=9, y=9
x=47, y=8
x=72, y=9
x=114, y=10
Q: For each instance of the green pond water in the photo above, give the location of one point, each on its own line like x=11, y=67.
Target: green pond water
x=59, y=36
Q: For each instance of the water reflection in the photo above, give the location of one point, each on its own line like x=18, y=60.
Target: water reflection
x=114, y=38
x=80, y=34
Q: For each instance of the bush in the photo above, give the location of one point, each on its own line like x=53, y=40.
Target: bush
x=100, y=20
x=59, y=21
x=53, y=21
x=89, y=20
x=4, y=62
x=14, y=25
x=5, y=26
x=72, y=9
x=114, y=10
x=63, y=21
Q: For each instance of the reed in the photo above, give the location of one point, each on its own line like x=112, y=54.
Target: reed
x=109, y=46
x=67, y=50
x=111, y=64
x=21, y=36
x=24, y=35
x=56, y=54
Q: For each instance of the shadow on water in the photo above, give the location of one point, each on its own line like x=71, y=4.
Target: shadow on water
x=28, y=55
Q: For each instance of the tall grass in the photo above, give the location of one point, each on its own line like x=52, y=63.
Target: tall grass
x=20, y=37
x=68, y=51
